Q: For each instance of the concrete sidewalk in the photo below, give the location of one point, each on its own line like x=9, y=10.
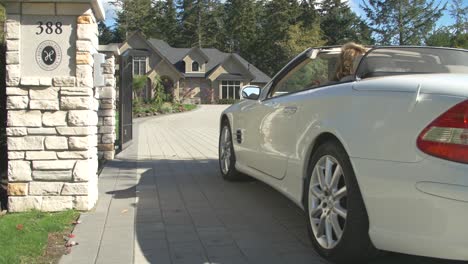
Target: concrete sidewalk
x=107, y=234
x=164, y=201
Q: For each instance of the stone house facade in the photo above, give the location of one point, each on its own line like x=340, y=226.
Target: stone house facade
x=195, y=75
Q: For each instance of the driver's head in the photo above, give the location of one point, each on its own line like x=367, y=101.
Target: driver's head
x=349, y=53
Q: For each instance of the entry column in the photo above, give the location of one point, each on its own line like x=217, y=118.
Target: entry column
x=51, y=102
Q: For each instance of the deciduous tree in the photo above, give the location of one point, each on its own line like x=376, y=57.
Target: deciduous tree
x=299, y=38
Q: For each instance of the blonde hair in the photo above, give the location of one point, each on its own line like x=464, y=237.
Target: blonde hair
x=349, y=52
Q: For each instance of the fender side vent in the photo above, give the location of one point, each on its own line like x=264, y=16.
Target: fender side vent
x=239, y=136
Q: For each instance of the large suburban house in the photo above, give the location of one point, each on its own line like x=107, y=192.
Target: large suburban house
x=195, y=75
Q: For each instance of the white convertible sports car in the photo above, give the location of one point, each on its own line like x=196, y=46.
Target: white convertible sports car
x=378, y=160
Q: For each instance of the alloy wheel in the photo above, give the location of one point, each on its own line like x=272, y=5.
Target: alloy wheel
x=327, y=202
x=225, y=150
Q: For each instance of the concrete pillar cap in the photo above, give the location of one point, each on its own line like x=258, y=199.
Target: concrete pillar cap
x=96, y=5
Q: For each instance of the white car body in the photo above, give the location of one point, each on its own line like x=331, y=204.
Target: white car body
x=416, y=203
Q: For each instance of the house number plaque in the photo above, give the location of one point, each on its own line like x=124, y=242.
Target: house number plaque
x=48, y=46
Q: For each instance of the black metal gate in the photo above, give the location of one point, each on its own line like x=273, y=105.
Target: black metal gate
x=3, y=119
x=125, y=101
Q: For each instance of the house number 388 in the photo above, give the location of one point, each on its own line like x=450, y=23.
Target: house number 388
x=49, y=28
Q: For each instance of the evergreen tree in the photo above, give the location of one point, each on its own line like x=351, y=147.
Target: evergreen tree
x=460, y=28
x=168, y=23
x=403, y=22
x=455, y=35
x=308, y=13
x=136, y=15
x=279, y=15
x=460, y=14
x=240, y=25
x=441, y=37
x=340, y=24
x=106, y=35
x=199, y=22
x=119, y=35
x=212, y=24
x=188, y=23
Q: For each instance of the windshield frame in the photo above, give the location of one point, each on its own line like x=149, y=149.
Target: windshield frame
x=307, y=55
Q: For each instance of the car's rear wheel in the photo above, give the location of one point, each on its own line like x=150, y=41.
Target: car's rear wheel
x=227, y=157
x=338, y=221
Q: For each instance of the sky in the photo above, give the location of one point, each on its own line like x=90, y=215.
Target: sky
x=354, y=4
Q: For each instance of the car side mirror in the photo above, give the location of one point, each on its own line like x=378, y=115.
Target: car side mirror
x=251, y=92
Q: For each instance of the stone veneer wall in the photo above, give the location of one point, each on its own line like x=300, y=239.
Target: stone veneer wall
x=107, y=108
x=52, y=128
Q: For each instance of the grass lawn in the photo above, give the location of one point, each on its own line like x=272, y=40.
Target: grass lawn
x=189, y=107
x=34, y=237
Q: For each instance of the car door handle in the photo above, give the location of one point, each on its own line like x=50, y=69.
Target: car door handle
x=291, y=110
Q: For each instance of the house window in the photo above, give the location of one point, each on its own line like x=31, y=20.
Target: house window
x=195, y=66
x=139, y=65
x=230, y=90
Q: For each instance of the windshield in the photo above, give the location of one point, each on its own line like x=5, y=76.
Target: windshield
x=412, y=60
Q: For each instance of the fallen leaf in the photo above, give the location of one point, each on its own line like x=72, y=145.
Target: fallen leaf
x=19, y=227
x=71, y=244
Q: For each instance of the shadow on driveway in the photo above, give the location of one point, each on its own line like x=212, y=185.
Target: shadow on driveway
x=186, y=213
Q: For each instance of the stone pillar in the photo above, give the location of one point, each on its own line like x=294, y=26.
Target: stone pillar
x=107, y=104
x=51, y=104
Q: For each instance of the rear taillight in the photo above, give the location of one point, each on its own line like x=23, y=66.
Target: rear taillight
x=447, y=136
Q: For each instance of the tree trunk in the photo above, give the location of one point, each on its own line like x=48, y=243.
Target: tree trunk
x=400, y=24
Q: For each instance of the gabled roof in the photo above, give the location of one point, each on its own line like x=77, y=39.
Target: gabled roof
x=259, y=76
x=234, y=57
x=154, y=48
x=199, y=51
x=215, y=58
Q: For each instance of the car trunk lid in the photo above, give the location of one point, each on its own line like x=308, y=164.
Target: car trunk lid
x=443, y=84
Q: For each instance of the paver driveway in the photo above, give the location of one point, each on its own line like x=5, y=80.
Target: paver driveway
x=163, y=201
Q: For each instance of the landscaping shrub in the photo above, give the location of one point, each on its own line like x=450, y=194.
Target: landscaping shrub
x=166, y=108
x=189, y=107
x=158, y=105
x=177, y=108
x=138, y=84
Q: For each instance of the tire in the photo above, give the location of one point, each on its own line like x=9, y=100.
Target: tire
x=336, y=209
x=228, y=171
